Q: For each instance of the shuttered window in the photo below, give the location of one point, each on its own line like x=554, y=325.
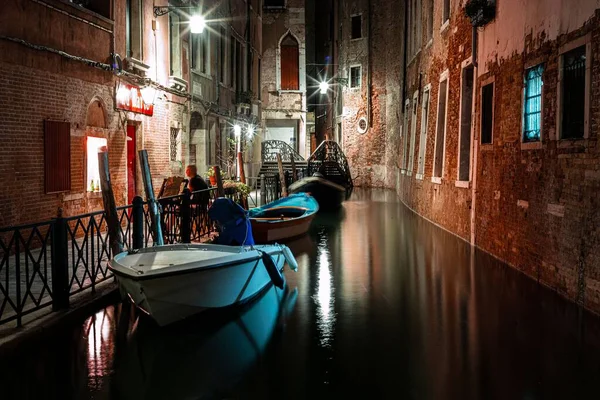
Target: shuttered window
x=57, y=156
x=290, y=77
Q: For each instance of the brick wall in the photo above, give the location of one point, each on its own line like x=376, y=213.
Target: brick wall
x=534, y=208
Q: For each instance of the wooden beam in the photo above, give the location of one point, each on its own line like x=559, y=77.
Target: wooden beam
x=156, y=227
x=281, y=176
x=220, y=190
x=115, y=238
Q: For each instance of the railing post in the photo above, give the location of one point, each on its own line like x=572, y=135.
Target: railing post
x=220, y=190
x=138, y=222
x=60, y=263
x=263, y=190
x=185, y=220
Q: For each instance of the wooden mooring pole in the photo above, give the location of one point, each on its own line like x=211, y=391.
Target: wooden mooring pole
x=152, y=203
x=115, y=238
x=220, y=190
x=281, y=176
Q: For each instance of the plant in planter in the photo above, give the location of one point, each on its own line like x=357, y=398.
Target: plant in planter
x=238, y=191
x=480, y=12
x=211, y=173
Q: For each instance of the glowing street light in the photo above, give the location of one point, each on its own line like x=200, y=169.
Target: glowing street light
x=250, y=131
x=324, y=86
x=237, y=130
x=197, y=23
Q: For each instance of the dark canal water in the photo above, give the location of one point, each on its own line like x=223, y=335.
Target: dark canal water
x=384, y=305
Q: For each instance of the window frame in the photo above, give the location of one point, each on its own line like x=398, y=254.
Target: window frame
x=532, y=143
x=200, y=54
x=279, y=65
x=413, y=133
x=405, y=133
x=423, y=133
x=574, y=44
x=468, y=63
x=359, y=15
x=134, y=12
x=444, y=76
x=489, y=81
x=446, y=14
x=359, y=87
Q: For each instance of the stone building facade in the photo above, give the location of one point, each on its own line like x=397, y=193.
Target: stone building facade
x=495, y=142
x=283, y=75
x=80, y=75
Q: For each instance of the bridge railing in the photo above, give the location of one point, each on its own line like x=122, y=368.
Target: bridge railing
x=270, y=149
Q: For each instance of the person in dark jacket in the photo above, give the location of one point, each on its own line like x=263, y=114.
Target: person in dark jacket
x=195, y=183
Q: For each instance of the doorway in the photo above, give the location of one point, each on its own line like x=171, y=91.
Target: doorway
x=131, y=163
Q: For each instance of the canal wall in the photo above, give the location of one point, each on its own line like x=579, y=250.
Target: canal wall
x=498, y=146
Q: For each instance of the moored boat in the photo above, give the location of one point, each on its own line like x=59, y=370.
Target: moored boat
x=173, y=282
x=283, y=219
x=328, y=194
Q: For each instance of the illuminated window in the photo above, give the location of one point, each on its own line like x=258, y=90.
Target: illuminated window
x=94, y=146
x=201, y=52
x=532, y=109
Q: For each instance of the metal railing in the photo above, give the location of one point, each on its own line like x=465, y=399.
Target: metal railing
x=270, y=149
x=43, y=264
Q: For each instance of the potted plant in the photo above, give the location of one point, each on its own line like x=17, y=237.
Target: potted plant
x=480, y=12
x=211, y=173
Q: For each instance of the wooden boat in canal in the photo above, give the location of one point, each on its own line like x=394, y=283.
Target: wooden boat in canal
x=328, y=180
x=328, y=194
x=283, y=219
x=172, y=282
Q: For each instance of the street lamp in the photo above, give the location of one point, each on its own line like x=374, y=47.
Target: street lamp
x=324, y=86
x=250, y=131
x=197, y=22
x=237, y=130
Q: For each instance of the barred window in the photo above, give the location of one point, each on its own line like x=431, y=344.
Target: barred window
x=573, y=94
x=173, y=144
x=532, y=109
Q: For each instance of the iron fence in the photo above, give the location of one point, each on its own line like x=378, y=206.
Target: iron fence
x=44, y=263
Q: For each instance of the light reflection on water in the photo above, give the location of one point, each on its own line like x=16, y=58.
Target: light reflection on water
x=324, y=295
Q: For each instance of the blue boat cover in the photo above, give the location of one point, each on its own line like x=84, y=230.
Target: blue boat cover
x=234, y=226
x=293, y=200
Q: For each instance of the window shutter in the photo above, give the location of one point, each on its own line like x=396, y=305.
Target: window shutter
x=290, y=79
x=57, y=156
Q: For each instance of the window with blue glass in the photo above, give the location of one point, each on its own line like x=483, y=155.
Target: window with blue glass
x=532, y=111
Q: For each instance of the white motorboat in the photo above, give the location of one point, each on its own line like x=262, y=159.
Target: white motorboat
x=173, y=282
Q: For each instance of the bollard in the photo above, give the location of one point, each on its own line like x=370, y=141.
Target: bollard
x=60, y=264
x=263, y=190
x=138, y=222
x=185, y=220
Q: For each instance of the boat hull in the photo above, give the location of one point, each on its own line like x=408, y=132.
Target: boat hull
x=329, y=195
x=265, y=232
x=172, y=297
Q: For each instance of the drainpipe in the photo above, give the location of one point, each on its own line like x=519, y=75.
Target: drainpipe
x=404, y=56
x=475, y=146
x=369, y=80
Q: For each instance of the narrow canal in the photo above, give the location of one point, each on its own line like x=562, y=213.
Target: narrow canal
x=384, y=305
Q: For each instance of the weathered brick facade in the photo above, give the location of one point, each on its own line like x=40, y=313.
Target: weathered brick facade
x=533, y=205
x=78, y=86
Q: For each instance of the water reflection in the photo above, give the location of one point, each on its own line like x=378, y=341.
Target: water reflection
x=201, y=357
x=324, y=295
x=388, y=306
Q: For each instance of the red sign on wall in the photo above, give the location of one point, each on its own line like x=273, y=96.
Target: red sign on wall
x=129, y=98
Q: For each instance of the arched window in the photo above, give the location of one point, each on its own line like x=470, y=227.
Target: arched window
x=290, y=79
